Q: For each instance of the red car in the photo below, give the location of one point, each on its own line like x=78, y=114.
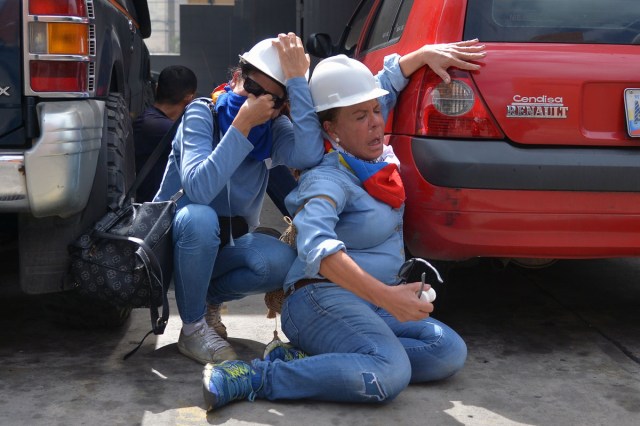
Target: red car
x=534, y=157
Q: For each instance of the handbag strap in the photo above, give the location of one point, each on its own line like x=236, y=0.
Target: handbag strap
x=145, y=253
x=158, y=323
x=154, y=274
x=159, y=149
x=151, y=161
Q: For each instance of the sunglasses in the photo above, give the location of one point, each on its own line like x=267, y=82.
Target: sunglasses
x=256, y=90
x=417, y=267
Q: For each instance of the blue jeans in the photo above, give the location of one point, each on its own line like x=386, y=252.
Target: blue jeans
x=203, y=272
x=360, y=353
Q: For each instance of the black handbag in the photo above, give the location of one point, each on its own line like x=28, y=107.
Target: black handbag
x=126, y=258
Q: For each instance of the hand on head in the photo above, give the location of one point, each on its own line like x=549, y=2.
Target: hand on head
x=293, y=60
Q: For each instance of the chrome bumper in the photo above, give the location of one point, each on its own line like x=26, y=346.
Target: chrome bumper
x=55, y=177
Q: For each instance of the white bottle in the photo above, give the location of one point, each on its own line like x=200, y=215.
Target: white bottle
x=429, y=295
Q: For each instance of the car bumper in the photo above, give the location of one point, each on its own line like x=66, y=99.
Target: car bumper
x=461, y=204
x=55, y=177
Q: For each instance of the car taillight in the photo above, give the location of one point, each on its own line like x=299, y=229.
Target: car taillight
x=454, y=110
x=59, y=45
x=453, y=99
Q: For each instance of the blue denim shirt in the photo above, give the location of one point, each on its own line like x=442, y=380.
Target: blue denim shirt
x=215, y=170
x=369, y=231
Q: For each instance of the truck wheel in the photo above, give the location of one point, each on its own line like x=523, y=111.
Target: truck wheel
x=121, y=166
x=120, y=176
x=114, y=176
x=70, y=309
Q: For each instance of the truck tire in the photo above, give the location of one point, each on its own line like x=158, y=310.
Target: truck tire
x=121, y=166
x=117, y=168
x=73, y=311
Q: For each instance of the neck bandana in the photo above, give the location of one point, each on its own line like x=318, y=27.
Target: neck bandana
x=227, y=106
x=380, y=178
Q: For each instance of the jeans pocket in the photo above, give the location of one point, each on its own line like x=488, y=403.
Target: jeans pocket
x=288, y=327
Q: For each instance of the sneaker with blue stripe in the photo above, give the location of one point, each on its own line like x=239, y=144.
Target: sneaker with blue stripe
x=229, y=381
x=277, y=349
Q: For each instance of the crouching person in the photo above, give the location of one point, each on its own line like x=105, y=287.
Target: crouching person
x=218, y=158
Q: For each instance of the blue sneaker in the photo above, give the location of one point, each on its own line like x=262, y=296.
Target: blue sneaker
x=228, y=381
x=277, y=349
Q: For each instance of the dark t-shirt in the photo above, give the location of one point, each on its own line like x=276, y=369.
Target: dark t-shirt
x=148, y=130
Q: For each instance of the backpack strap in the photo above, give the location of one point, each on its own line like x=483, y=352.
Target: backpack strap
x=151, y=161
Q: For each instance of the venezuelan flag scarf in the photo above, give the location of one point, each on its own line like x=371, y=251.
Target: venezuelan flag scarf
x=380, y=179
x=227, y=105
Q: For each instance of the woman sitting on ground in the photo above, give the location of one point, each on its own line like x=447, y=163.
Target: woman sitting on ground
x=356, y=335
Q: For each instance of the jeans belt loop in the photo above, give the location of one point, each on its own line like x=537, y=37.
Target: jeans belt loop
x=302, y=283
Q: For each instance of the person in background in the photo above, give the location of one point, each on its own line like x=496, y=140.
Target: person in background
x=219, y=158
x=176, y=87
x=356, y=334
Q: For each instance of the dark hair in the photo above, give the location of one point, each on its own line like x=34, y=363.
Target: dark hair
x=327, y=115
x=174, y=83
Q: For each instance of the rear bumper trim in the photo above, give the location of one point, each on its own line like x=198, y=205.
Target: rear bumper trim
x=482, y=164
x=13, y=194
x=55, y=176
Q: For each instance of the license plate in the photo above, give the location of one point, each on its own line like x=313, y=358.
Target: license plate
x=632, y=109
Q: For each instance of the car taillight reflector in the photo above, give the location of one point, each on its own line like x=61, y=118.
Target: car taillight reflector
x=452, y=99
x=57, y=7
x=58, y=76
x=454, y=110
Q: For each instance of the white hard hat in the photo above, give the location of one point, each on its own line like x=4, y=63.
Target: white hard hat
x=264, y=56
x=340, y=81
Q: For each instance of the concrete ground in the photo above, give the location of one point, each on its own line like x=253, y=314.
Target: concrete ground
x=554, y=347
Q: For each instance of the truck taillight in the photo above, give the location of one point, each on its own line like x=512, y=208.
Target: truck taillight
x=58, y=38
x=58, y=76
x=57, y=7
x=454, y=110
x=59, y=46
